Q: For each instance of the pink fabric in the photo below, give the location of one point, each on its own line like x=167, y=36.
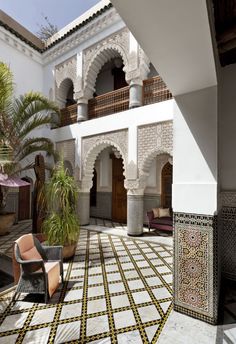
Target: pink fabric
x=27, y=248
x=13, y=182
x=31, y=254
x=53, y=272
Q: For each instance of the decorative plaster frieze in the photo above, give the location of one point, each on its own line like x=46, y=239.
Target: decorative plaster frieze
x=153, y=139
x=64, y=70
x=94, y=27
x=95, y=56
x=20, y=46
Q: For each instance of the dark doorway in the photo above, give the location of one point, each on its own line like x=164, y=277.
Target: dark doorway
x=166, y=185
x=93, y=190
x=119, y=78
x=119, y=193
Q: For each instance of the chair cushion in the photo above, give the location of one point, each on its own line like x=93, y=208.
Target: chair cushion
x=53, y=272
x=31, y=254
x=155, y=212
x=27, y=247
x=164, y=212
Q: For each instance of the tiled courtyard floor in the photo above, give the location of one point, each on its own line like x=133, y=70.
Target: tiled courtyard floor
x=117, y=290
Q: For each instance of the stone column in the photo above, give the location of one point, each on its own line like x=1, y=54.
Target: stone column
x=135, y=212
x=82, y=109
x=84, y=207
x=135, y=93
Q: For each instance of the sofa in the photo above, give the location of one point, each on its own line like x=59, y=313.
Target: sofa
x=164, y=223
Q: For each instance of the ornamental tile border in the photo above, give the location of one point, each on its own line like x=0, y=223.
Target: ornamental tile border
x=196, y=266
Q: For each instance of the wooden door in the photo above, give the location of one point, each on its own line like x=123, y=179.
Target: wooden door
x=24, y=202
x=119, y=193
x=166, y=194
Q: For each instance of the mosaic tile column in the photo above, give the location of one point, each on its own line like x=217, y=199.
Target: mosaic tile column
x=84, y=208
x=134, y=214
x=196, y=266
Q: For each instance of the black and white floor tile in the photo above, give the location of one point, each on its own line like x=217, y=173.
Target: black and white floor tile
x=116, y=290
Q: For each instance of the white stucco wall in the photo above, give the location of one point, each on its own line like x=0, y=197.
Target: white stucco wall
x=26, y=65
x=195, y=152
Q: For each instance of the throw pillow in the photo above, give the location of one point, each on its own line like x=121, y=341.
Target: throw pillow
x=164, y=212
x=155, y=212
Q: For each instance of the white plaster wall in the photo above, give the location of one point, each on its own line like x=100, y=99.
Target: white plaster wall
x=195, y=152
x=227, y=128
x=27, y=71
x=104, y=181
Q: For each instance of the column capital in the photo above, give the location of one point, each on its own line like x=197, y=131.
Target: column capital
x=134, y=187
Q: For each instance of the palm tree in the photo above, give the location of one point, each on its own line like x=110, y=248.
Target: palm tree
x=18, y=120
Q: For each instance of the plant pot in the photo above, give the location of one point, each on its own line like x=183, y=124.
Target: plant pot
x=6, y=222
x=69, y=251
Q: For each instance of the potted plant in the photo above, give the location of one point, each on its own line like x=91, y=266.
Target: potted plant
x=61, y=225
x=18, y=120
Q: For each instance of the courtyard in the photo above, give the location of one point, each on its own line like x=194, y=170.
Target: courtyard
x=116, y=289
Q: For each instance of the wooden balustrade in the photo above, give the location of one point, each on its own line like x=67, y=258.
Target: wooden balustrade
x=109, y=103
x=155, y=91
x=69, y=115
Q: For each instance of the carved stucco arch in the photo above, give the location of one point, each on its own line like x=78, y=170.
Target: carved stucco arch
x=100, y=57
x=63, y=88
x=90, y=159
x=147, y=162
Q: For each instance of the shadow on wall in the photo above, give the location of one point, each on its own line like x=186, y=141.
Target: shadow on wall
x=199, y=110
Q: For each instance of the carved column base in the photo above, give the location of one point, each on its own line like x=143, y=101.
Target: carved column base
x=196, y=273
x=84, y=208
x=134, y=215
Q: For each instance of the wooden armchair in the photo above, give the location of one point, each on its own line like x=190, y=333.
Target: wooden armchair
x=41, y=266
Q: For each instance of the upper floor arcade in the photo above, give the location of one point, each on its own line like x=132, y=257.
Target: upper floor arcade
x=110, y=76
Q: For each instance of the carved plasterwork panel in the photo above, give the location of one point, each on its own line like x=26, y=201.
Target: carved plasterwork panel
x=92, y=146
x=67, y=150
x=153, y=139
x=64, y=70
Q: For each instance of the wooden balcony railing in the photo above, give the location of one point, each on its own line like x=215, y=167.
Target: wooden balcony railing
x=69, y=115
x=109, y=103
x=155, y=91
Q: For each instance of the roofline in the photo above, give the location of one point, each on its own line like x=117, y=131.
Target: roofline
x=33, y=41
x=20, y=31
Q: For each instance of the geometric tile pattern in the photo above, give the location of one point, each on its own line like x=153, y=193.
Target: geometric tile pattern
x=116, y=290
x=228, y=241
x=196, y=270
x=6, y=241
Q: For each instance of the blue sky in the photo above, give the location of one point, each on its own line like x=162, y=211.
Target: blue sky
x=59, y=12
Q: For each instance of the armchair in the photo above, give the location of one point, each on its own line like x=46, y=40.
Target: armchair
x=41, y=266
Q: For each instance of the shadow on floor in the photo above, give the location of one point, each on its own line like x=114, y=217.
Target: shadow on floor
x=226, y=330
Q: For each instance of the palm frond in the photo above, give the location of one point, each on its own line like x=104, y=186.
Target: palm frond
x=33, y=148
x=6, y=87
